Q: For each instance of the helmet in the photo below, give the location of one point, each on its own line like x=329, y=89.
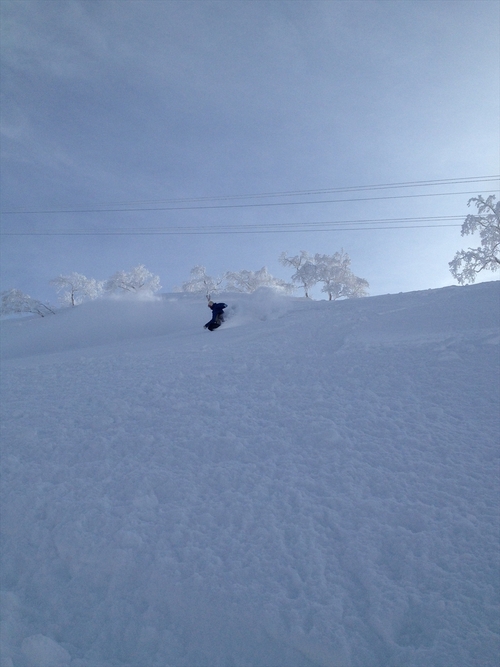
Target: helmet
x=210, y=303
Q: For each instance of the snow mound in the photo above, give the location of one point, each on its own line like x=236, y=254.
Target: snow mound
x=313, y=484
x=116, y=320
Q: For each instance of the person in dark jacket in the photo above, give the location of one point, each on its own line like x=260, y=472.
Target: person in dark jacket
x=217, y=315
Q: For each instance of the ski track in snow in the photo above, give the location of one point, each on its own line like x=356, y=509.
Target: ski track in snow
x=314, y=484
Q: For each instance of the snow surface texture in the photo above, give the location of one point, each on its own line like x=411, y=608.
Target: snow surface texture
x=313, y=484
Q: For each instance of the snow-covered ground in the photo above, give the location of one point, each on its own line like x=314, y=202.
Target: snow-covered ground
x=313, y=484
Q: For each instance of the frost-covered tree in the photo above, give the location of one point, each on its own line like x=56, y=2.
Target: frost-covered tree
x=338, y=280
x=138, y=280
x=249, y=281
x=14, y=301
x=468, y=263
x=306, y=273
x=201, y=283
x=77, y=288
x=357, y=287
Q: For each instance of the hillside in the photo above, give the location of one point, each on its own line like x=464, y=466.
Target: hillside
x=313, y=484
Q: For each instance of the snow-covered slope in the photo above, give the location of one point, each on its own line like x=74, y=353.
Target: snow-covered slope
x=313, y=484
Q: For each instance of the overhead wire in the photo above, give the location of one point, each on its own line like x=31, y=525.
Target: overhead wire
x=266, y=227
x=205, y=232
x=354, y=188
x=262, y=228
x=157, y=205
x=228, y=206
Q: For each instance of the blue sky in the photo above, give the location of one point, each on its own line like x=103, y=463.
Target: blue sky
x=130, y=104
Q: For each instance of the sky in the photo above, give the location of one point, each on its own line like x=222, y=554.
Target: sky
x=113, y=112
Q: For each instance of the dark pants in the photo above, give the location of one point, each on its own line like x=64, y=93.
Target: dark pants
x=215, y=322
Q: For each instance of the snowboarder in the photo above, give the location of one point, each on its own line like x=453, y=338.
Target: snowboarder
x=217, y=315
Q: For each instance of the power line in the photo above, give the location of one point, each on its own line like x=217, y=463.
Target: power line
x=265, y=228
x=199, y=232
x=221, y=206
x=131, y=207
x=292, y=193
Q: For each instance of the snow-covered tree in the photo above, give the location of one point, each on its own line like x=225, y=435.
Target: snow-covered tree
x=338, y=280
x=358, y=287
x=14, y=301
x=249, y=281
x=77, y=288
x=468, y=263
x=201, y=283
x=138, y=280
x=306, y=273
